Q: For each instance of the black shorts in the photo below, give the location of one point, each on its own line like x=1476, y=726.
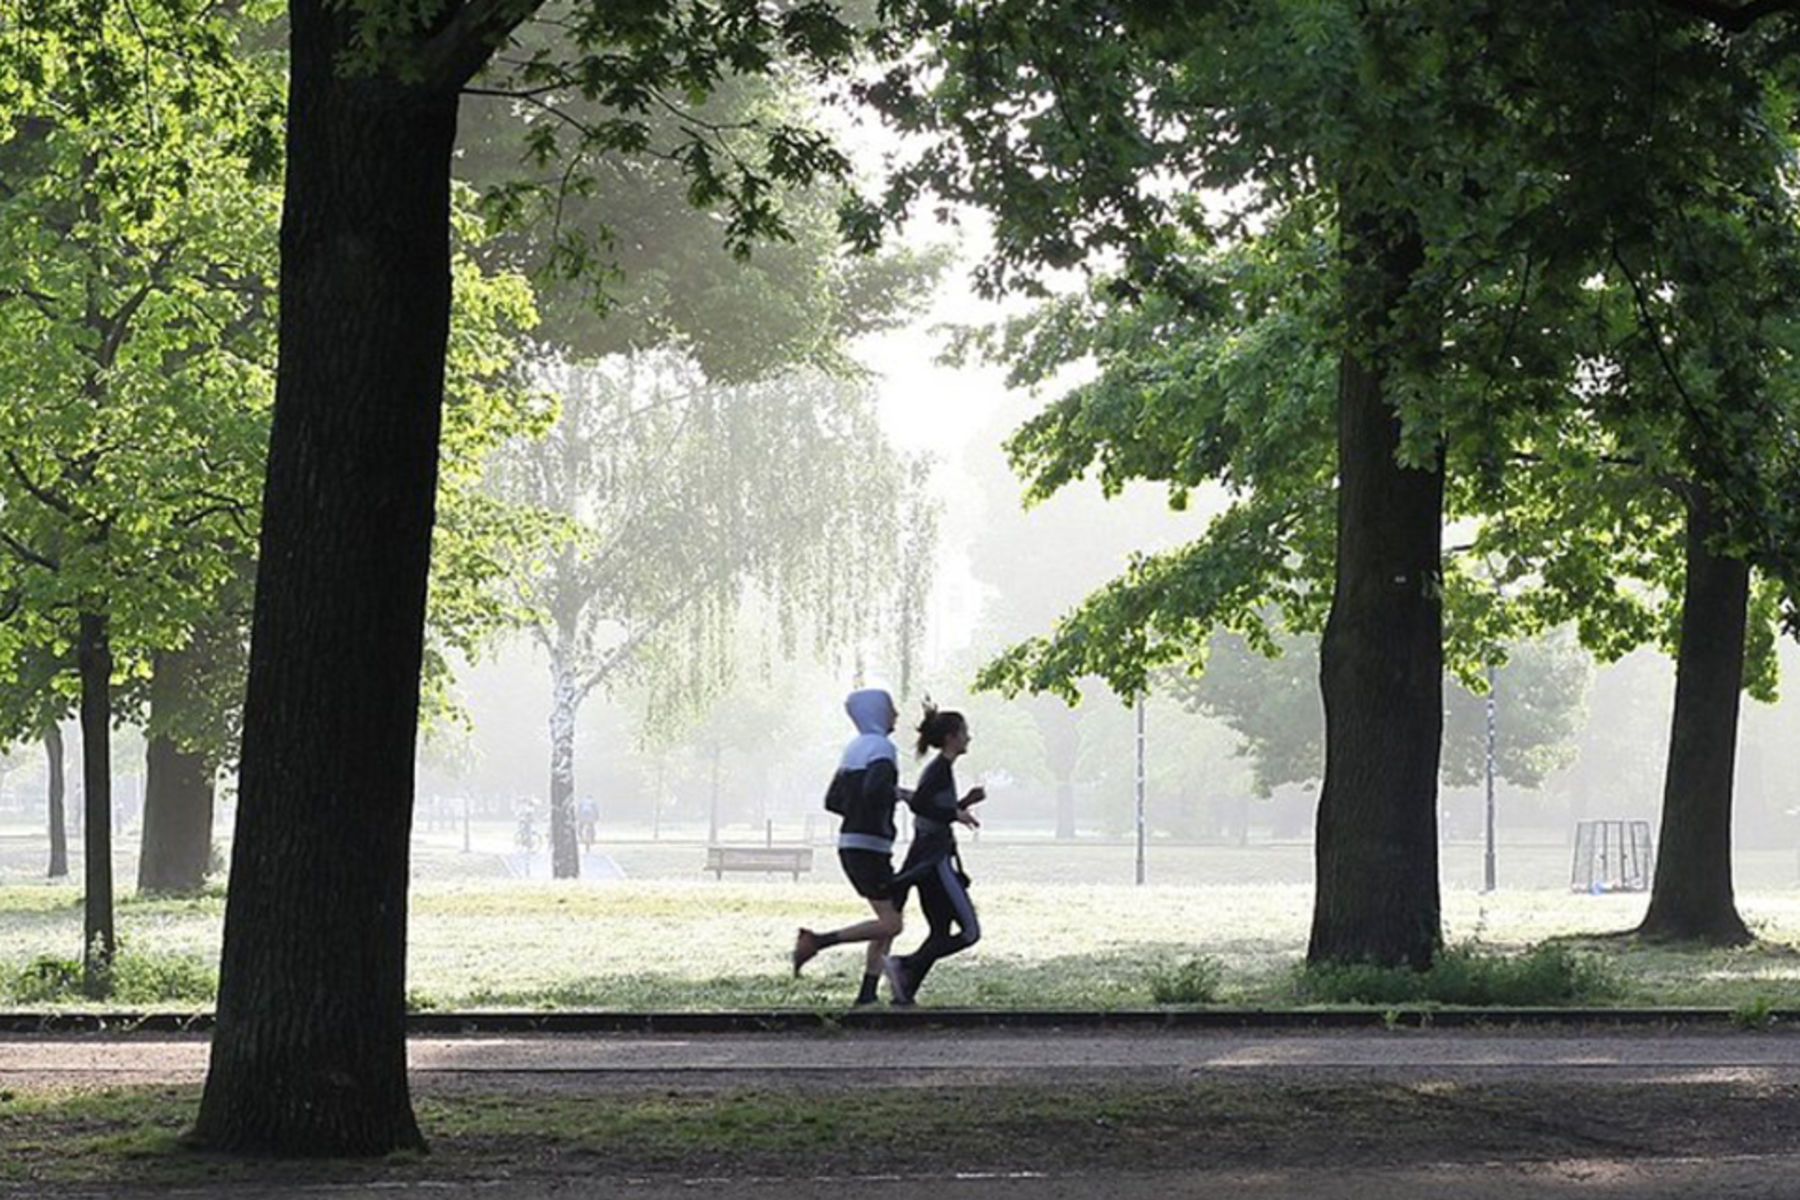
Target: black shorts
x=871, y=874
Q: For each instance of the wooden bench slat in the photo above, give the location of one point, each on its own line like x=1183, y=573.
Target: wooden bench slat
x=792, y=859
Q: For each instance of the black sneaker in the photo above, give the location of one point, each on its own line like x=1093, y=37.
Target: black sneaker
x=893, y=969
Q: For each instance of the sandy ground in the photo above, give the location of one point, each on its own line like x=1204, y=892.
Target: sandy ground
x=1759, y=1178
x=945, y=1057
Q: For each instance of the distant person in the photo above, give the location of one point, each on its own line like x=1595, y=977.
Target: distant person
x=933, y=865
x=587, y=822
x=863, y=792
x=525, y=834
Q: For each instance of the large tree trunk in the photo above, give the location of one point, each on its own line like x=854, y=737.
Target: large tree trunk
x=178, y=788
x=93, y=656
x=1381, y=660
x=1691, y=899
x=59, y=824
x=309, y=1054
x=565, y=855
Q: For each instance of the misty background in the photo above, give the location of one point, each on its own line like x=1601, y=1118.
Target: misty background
x=750, y=763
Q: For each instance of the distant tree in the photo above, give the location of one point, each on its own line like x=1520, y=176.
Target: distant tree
x=668, y=295
x=332, y=699
x=1456, y=222
x=131, y=303
x=33, y=708
x=1272, y=702
x=158, y=302
x=669, y=497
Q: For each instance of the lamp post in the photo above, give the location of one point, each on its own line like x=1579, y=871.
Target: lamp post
x=1140, y=788
x=1492, y=713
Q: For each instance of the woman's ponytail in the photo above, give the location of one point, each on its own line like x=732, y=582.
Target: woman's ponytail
x=936, y=728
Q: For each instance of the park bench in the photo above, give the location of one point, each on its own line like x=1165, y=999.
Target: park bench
x=768, y=859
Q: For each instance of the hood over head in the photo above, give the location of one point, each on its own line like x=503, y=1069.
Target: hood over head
x=870, y=710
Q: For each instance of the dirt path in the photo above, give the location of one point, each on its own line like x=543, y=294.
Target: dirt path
x=882, y=1058
x=1760, y=1178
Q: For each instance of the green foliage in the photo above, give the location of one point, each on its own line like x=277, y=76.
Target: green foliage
x=136, y=335
x=1190, y=981
x=143, y=979
x=624, y=265
x=488, y=403
x=46, y=980
x=1581, y=363
x=1754, y=1014
x=1272, y=702
x=1541, y=707
x=139, y=328
x=668, y=500
x=647, y=527
x=1546, y=975
x=602, y=127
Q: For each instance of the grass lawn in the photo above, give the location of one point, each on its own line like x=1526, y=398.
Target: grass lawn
x=666, y=937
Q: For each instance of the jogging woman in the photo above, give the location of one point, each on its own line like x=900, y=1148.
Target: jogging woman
x=863, y=792
x=933, y=865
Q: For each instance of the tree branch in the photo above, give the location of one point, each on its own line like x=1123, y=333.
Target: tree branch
x=719, y=576
x=220, y=507
x=1610, y=460
x=27, y=554
x=42, y=301
x=452, y=56
x=118, y=326
x=39, y=492
x=517, y=93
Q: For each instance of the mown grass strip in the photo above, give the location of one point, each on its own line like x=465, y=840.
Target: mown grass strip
x=133, y=1136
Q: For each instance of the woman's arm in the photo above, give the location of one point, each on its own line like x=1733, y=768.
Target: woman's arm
x=935, y=796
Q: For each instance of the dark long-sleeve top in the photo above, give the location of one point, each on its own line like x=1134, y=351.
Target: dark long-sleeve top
x=867, y=797
x=934, y=815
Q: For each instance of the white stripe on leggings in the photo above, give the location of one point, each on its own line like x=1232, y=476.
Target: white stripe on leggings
x=959, y=899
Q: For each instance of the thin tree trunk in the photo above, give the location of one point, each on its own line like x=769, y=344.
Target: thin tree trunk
x=712, y=811
x=1691, y=897
x=1065, y=808
x=59, y=823
x=309, y=1053
x=93, y=656
x=1381, y=659
x=178, y=788
x=565, y=855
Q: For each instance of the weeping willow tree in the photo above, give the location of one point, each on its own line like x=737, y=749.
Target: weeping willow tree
x=669, y=501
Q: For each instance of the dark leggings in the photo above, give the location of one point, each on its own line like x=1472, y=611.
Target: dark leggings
x=946, y=903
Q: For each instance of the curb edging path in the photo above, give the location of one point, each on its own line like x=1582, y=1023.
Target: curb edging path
x=814, y=1021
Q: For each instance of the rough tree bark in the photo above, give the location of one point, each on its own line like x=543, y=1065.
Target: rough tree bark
x=93, y=657
x=1381, y=660
x=1691, y=897
x=178, y=789
x=309, y=1054
x=54, y=801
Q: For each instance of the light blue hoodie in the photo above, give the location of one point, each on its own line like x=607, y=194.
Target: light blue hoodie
x=869, y=709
